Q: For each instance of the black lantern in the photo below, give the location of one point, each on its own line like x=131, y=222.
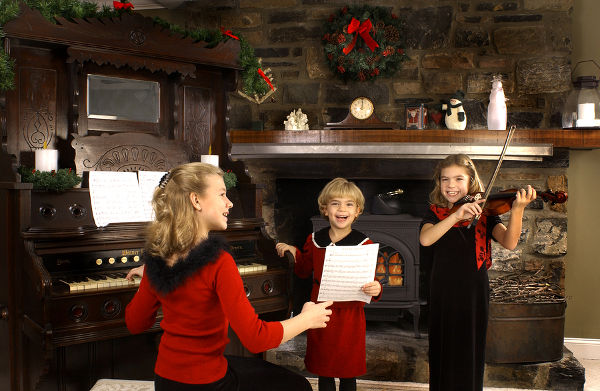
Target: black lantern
x=582, y=107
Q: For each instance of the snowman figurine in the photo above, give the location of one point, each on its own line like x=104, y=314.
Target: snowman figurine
x=455, y=117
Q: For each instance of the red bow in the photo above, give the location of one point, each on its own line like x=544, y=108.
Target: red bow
x=363, y=29
x=119, y=5
x=228, y=33
x=260, y=72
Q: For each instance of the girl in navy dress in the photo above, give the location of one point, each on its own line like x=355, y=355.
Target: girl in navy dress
x=459, y=286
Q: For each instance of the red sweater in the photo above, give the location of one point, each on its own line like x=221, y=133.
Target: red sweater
x=196, y=315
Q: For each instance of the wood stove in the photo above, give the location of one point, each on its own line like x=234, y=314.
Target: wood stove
x=397, y=264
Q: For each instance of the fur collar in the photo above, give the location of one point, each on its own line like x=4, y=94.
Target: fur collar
x=321, y=238
x=166, y=279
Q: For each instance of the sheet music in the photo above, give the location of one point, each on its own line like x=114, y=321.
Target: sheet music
x=115, y=197
x=345, y=270
x=148, y=182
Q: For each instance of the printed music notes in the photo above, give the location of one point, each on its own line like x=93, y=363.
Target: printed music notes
x=122, y=197
x=345, y=270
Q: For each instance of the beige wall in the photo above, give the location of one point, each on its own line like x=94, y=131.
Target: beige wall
x=582, y=281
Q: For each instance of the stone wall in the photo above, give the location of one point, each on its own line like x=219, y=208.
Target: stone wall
x=452, y=45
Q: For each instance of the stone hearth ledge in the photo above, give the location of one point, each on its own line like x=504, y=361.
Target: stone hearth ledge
x=395, y=355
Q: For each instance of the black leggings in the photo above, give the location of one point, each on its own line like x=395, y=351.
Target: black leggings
x=244, y=374
x=328, y=383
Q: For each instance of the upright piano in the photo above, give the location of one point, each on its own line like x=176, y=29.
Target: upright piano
x=62, y=286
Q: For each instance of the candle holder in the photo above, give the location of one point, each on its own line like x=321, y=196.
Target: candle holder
x=582, y=107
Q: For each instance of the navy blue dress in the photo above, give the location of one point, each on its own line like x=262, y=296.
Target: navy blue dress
x=459, y=306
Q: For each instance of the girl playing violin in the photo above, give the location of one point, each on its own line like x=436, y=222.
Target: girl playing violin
x=459, y=286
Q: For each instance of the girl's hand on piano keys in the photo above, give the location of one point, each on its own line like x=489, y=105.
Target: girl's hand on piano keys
x=136, y=271
x=283, y=247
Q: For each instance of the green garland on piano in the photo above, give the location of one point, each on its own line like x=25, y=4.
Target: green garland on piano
x=230, y=179
x=253, y=83
x=61, y=180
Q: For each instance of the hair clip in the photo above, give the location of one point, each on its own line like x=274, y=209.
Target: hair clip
x=163, y=181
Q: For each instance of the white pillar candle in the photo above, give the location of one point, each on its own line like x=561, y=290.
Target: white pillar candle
x=586, y=111
x=46, y=159
x=210, y=159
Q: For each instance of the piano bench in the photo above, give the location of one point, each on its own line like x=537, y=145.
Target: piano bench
x=123, y=385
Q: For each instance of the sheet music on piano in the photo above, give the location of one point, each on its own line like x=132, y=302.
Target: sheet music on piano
x=122, y=197
x=148, y=181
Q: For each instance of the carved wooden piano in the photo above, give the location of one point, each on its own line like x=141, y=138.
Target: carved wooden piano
x=120, y=95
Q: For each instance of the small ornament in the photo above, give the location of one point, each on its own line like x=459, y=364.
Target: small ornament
x=455, y=117
x=416, y=117
x=296, y=120
x=268, y=78
x=496, y=119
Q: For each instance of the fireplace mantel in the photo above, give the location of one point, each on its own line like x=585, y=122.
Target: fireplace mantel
x=527, y=144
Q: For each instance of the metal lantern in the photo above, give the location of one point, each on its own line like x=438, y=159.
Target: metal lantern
x=582, y=107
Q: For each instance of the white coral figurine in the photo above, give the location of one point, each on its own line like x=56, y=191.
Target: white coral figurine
x=297, y=120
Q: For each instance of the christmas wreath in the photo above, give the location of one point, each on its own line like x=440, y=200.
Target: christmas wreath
x=364, y=42
x=256, y=83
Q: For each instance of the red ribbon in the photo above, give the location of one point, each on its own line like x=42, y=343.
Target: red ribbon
x=228, y=33
x=361, y=29
x=119, y=5
x=260, y=72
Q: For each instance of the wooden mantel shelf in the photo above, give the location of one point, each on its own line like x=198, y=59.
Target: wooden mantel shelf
x=526, y=144
x=558, y=138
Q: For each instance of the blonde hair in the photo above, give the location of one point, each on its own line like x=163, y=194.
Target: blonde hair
x=175, y=229
x=340, y=187
x=461, y=160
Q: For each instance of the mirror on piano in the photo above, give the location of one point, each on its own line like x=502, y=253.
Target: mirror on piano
x=123, y=100
x=118, y=98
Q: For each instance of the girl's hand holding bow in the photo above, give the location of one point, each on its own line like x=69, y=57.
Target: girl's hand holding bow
x=468, y=210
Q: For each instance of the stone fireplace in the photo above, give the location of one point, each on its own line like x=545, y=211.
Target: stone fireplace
x=291, y=187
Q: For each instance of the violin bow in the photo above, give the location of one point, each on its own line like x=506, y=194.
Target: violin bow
x=488, y=188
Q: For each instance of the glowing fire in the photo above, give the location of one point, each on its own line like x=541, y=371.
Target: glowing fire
x=394, y=269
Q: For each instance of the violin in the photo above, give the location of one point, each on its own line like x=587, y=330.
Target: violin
x=501, y=202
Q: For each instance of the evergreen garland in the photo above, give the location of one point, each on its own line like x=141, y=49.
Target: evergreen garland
x=361, y=63
x=253, y=83
x=230, y=179
x=60, y=180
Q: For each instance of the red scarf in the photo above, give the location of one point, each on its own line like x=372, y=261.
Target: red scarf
x=483, y=247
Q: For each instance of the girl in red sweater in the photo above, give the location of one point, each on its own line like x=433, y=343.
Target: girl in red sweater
x=339, y=350
x=197, y=284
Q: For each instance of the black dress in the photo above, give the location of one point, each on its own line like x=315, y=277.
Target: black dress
x=459, y=305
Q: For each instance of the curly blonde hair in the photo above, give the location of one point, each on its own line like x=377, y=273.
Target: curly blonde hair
x=340, y=187
x=461, y=160
x=174, y=229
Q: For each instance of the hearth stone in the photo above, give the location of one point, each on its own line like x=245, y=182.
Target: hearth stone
x=394, y=354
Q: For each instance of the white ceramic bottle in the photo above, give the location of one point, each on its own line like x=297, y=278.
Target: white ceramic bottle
x=496, y=119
